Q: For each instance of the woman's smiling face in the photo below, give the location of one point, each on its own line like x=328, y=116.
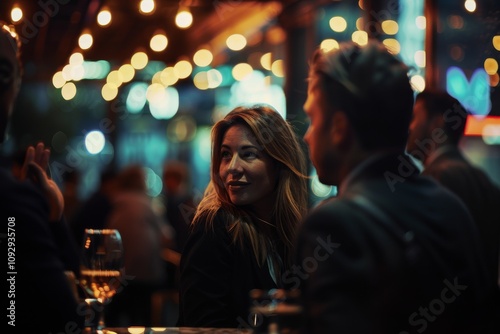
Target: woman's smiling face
x=248, y=173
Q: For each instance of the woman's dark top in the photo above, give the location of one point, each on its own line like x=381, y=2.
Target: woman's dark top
x=216, y=278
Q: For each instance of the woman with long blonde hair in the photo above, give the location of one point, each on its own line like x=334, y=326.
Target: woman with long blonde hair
x=244, y=229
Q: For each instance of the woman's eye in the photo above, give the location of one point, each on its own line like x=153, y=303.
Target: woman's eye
x=249, y=155
x=225, y=154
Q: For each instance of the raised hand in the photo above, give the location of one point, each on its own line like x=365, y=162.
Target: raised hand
x=35, y=168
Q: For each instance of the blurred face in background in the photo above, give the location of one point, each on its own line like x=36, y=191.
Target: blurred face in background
x=249, y=175
x=9, y=78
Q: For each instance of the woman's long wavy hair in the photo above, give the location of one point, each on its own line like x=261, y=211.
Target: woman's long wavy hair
x=277, y=139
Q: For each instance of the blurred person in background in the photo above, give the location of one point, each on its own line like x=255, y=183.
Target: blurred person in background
x=70, y=184
x=244, y=227
x=436, y=130
x=179, y=200
x=179, y=205
x=31, y=206
x=144, y=235
x=94, y=211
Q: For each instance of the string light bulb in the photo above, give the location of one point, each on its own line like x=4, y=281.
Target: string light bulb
x=184, y=18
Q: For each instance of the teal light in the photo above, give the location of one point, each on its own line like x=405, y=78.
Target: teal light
x=409, y=36
x=136, y=98
x=473, y=94
x=227, y=77
x=164, y=103
x=94, y=142
x=96, y=70
x=254, y=90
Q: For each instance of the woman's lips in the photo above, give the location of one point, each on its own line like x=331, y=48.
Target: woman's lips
x=236, y=185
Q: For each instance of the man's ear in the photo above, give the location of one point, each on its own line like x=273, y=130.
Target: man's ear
x=341, y=132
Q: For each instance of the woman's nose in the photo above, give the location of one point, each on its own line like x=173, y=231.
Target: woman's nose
x=235, y=165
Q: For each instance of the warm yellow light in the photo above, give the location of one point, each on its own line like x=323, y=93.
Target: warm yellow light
x=76, y=59
x=420, y=58
x=66, y=72
x=329, y=44
x=115, y=78
x=278, y=68
x=470, y=5
x=203, y=57
x=360, y=23
x=420, y=22
x=127, y=72
x=104, y=18
x=418, y=83
x=147, y=6
x=496, y=42
x=139, y=60
x=392, y=45
x=16, y=14
x=265, y=61
x=168, y=77
x=236, y=42
x=77, y=72
x=157, y=79
x=109, y=91
x=361, y=4
x=360, y=37
x=68, y=91
x=158, y=42
x=490, y=66
x=183, y=69
x=184, y=18
x=338, y=23
x=200, y=80
x=136, y=330
x=241, y=70
x=58, y=80
x=85, y=41
x=390, y=27
x=154, y=90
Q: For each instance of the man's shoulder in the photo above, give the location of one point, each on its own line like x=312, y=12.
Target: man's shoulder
x=332, y=213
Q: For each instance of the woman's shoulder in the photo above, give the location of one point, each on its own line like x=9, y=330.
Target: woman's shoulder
x=211, y=223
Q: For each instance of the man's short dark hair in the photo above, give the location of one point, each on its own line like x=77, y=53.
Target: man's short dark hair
x=372, y=87
x=439, y=103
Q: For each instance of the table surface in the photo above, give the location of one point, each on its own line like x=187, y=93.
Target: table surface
x=173, y=330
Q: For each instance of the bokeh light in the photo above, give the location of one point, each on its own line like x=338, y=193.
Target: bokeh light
x=68, y=91
x=236, y=42
x=94, y=142
x=338, y=24
x=104, y=18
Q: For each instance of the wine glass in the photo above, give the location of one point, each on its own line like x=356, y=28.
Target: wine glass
x=102, y=265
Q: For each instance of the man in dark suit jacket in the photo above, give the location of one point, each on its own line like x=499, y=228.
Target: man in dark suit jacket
x=394, y=252
x=36, y=240
x=435, y=132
